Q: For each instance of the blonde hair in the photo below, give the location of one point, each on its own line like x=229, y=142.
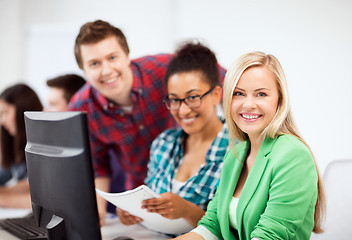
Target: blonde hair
x=282, y=123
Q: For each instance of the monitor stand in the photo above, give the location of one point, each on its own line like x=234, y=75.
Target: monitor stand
x=56, y=228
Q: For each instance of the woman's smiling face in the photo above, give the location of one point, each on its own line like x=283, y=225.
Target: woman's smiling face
x=190, y=84
x=255, y=101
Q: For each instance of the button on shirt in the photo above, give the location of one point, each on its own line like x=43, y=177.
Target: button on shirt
x=128, y=134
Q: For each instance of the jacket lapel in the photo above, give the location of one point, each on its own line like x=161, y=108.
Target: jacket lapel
x=253, y=178
x=234, y=172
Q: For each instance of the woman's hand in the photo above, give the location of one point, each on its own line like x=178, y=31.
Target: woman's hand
x=126, y=218
x=169, y=205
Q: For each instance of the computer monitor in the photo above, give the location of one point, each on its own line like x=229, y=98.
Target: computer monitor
x=60, y=175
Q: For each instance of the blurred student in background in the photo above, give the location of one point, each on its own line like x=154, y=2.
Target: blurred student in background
x=185, y=162
x=14, y=101
x=61, y=89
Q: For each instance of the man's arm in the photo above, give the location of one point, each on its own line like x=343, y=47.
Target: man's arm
x=103, y=184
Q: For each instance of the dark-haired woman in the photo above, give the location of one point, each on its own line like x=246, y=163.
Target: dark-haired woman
x=185, y=162
x=14, y=101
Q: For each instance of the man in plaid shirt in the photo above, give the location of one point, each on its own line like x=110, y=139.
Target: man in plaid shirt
x=123, y=101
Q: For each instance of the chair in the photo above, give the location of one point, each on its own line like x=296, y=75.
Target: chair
x=337, y=180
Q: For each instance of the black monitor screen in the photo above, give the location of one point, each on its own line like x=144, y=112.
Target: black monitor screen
x=60, y=175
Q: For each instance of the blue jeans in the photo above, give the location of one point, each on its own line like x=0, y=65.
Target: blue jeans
x=16, y=172
x=5, y=175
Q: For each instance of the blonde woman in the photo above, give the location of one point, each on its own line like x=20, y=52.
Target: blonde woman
x=270, y=187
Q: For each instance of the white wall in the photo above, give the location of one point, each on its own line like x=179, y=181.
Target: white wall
x=11, y=40
x=312, y=39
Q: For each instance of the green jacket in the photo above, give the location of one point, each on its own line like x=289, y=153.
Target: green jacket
x=278, y=199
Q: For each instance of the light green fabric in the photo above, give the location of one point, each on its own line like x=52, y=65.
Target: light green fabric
x=278, y=198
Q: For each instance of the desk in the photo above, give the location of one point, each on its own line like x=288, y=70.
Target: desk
x=13, y=212
x=113, y=228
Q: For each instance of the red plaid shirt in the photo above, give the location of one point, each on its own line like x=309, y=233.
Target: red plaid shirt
x=127, y=135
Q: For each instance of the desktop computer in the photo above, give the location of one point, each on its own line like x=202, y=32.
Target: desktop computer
x=60, y=175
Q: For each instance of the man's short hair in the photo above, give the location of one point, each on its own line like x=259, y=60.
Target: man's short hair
x=93, y=32
x=70, y=83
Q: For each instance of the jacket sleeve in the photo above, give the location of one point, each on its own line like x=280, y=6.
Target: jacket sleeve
x=292, y=194
x=210, y=219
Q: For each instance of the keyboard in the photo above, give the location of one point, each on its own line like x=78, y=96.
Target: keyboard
x=23, y=228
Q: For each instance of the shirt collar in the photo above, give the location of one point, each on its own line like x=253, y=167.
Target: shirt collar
x=265, y=147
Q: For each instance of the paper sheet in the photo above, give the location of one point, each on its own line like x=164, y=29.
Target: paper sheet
x=131, y=201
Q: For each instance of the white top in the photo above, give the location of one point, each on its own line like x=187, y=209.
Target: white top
x=205, y=233
x=127, y=109
x=176, y=185
x=232, y=212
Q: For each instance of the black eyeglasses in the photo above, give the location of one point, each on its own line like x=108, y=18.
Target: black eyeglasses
x=191, y=101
